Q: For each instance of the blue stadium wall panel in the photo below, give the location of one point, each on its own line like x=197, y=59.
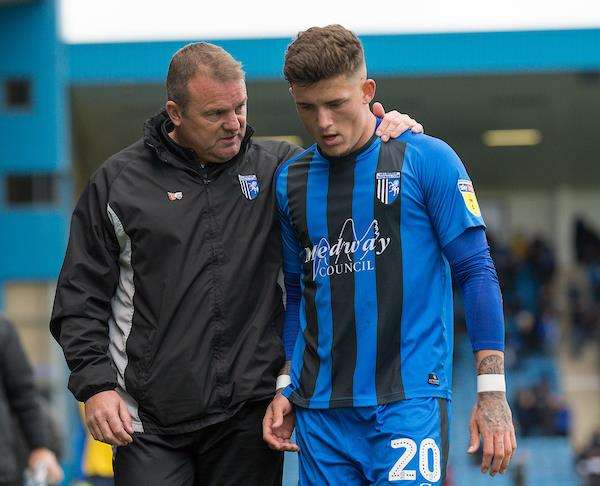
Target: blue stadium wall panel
x=387, y=55
x=33, y=140
x=29, y=246
x=29, y=48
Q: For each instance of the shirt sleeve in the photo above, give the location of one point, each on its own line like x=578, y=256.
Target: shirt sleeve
x=474, y=271
x=292, y=268
x=291, y=316
x=448, y=191
x=290, y=245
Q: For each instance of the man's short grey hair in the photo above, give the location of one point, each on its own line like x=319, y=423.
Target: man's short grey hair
x=199, y=58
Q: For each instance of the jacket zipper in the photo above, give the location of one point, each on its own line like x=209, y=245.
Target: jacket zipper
x=220, y=372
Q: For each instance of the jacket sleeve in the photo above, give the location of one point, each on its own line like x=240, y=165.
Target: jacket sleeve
x=23, y=398
x=85, y=287
x=287, y=151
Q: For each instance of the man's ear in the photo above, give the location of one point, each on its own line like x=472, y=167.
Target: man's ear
x=174, y=111
x=368, y=88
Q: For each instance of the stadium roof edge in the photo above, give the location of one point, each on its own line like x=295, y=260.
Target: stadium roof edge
x=387, y=55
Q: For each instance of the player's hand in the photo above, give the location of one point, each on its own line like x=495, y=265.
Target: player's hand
x=491, y=419
x=108, y=419
x=394, y=123
x=42, y=457
x=278, y=424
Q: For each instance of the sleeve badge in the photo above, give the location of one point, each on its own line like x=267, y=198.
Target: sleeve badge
x=465, y=187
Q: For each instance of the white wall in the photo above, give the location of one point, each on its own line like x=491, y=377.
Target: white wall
x=142, y=20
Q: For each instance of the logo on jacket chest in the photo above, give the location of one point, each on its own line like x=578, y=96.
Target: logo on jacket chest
x=175, y=196
x=249, y=186
x=388, y=186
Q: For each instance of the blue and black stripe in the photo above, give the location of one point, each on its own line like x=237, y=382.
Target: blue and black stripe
x=352, y=299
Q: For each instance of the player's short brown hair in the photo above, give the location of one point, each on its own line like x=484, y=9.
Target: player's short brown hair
x=199, y=58
x=321, y=53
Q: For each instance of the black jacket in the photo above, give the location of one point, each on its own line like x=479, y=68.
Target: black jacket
x=168, y=290
x=18, y=398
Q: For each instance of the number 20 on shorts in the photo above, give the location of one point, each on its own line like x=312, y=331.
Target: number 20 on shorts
x=430, y=472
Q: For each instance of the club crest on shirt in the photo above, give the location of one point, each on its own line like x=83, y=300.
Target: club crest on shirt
x=465, y=187
x=388, y=186
x=249, y=186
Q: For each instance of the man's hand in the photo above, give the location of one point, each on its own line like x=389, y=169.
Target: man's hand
x=108, y=419
x=45, y=458
x=278, y=424
x=492, y=420
x=394, y=123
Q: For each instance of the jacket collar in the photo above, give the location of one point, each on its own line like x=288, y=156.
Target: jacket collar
x=156, y=130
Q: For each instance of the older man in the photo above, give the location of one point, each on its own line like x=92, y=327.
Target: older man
x=167, y=306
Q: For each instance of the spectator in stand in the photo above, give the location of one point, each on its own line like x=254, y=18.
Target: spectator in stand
x=526, y=412
x=526, y=327
x=588, y=461
x=539, y=411
x=584, y=297
x=587, y=243
x=541, y=259
x=19, y=397
x=561, y=416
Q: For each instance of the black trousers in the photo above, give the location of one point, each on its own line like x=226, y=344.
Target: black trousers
x=228, y=453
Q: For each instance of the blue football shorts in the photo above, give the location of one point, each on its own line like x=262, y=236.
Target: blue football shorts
x=403, y=443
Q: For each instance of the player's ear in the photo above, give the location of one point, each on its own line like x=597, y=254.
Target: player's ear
x=368, y=90
x=293, y=95
x=174, y=111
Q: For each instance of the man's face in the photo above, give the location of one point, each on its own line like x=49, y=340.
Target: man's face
x=335, y=112
x=213, y=122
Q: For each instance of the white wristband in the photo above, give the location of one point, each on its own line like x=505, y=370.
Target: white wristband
x=282, y=381
x=491, y=383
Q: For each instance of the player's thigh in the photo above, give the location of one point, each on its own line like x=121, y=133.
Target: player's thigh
x=234, y=452
x=324, y=456
x=411, y=445
x=153, y=460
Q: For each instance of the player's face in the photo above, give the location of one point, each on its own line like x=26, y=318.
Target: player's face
x=213, y=122
x=336, y=113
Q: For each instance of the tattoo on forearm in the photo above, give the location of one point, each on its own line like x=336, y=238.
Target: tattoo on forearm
x=492, y=364
x=492, y=411
x=286, y=368
x=492, y=407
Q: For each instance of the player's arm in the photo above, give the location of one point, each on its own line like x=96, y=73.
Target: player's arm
x=86, y=284
x=279, y=419
x=453, y=209
x=291, y=325
x=491, y=417
x=278, y=422
x=474, y=271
